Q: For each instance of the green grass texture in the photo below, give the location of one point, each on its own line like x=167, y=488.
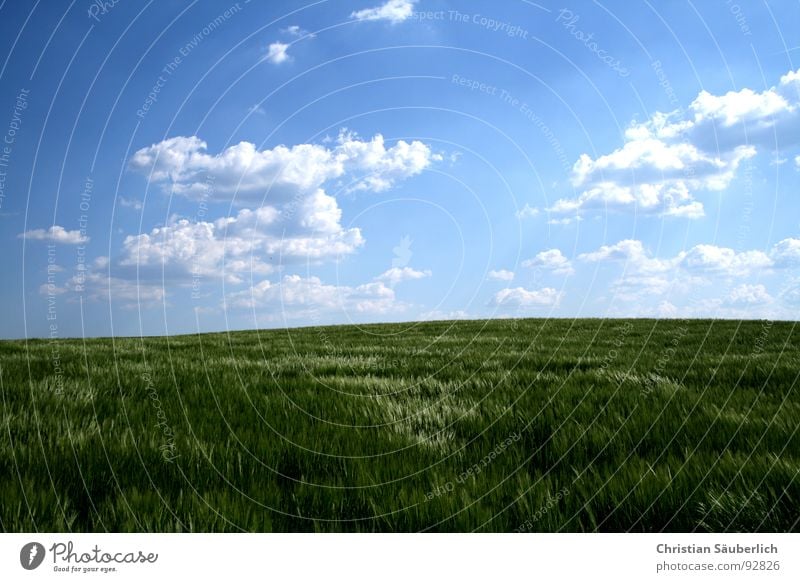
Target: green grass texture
x=518, y=425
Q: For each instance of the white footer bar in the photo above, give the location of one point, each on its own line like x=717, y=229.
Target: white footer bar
x=401, y=557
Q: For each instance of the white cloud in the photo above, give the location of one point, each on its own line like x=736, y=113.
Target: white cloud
x=665, y=160
x=797, y=161
x=786, y=253
x=746, y=295
x=646, y=275
x=297, y=219
x=56, y=234
x=564, y=221
x=297, y=31
x=524, y=298
x=130, y=203
x=252, y=242
x=629, y=251
x=282, y=174
x=550, y=260
x=276, y=53
x=397, y=275
x=700, y=259
x=298, y=296
x=791, y=293
x=527, y=211
x=501, y=275
x=394, y=11
x=724, y=261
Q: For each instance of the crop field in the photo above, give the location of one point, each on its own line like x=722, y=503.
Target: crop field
x=496, y=426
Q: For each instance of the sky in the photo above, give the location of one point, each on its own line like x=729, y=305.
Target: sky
x=178, y=167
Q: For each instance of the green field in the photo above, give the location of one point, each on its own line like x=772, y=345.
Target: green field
x=503, y=425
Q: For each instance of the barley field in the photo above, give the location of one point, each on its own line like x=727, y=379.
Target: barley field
x=494, y=426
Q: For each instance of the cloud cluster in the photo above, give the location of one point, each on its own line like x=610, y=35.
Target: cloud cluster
x=645, y=274
x=671, y=156
x=699, y=259
x=295, y=296
x=296, y=221
x=252, y=242
x=279, y=175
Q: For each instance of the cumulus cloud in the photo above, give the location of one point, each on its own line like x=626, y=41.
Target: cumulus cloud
x=746, y=295
x=646, y=274
x=297, y=220
x=550, y=260
x=56, y=234
x=501, y=275
x=665, y=160
x=394, y=11
x=699, y=259
x=786, y=253
x=791, y=292
x=251, y=242
x=276, y=53
x=397, y=275
x=522, y=298
x=298, y=296
x=281, y=174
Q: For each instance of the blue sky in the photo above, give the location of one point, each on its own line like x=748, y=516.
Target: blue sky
x=172, y=166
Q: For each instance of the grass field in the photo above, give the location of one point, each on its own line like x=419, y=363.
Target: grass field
x=505, y=425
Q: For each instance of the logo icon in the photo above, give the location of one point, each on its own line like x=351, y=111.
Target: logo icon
x=31, y=555
x=402, y=252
